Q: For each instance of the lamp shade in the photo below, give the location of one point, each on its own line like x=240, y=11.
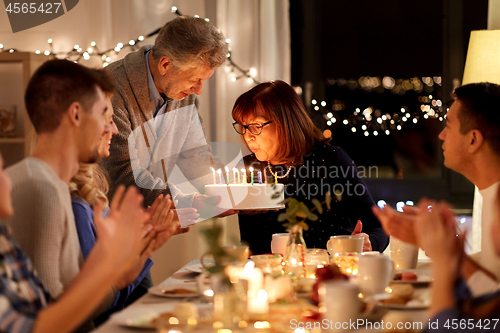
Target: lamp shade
x=483, y=57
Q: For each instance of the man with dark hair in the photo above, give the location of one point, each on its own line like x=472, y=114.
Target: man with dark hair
x=156, y=111
x=66, y=103
x=471, y=142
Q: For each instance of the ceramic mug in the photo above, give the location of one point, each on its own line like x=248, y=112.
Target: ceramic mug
x=404, y=255
x=341, y=304
x=345, y=244
x=374, y=273
x=279, y=242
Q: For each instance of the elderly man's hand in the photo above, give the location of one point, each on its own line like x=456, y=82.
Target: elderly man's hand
x=399, y=225
x=207, y=206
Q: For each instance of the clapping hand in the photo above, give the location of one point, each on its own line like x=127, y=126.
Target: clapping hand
x=399, y=225
x=165, y=219
x=367, y=245
x=123, y=238
x=437, y=233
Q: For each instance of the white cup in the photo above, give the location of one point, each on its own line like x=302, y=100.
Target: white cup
x=279, y=242
x=345, y=243
x=341, y=304
x=374, y=273
x=404, y=255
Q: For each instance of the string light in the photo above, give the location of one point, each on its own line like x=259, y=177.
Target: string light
x=77, y=53
x=374, y=121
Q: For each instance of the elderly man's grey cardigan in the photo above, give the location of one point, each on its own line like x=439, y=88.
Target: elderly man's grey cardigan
x=143, y=154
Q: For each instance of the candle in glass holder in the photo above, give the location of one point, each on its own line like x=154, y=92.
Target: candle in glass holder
x=347, y=262
x=315, y=258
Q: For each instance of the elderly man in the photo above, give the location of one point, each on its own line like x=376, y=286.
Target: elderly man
x=160, y=135
x=471, y=146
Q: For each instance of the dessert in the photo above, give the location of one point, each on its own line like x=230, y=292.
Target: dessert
x=408, y=276
x=247, y=196
x=178, y=291
x=400, y=294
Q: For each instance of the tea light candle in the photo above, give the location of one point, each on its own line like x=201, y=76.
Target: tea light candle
x=227, y=175
x=244, y=175
x=258, y=305
x=220, y=176
x=260, y=177
x=254, y=276
x=213, y=173
x=251, y=175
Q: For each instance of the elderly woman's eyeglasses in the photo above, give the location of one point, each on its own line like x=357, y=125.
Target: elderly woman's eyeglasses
x=255, y=129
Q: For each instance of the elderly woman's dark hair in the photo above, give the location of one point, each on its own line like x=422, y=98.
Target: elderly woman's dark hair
x=278, y=102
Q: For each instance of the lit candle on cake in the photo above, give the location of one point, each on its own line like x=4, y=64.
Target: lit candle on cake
x=260, y=177
x=251, y=175
x=265, y=176
x=213, y=173
x=235, y=180
x=220, y=176
x=276, y=177
x=227, y=175
x=244, y=176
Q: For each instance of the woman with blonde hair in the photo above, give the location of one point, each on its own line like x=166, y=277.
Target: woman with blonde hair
x=88, y=189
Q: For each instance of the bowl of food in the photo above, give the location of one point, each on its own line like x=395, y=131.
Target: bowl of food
x=268, y=263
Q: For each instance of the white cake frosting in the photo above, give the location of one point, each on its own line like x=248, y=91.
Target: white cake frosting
x=240, y=197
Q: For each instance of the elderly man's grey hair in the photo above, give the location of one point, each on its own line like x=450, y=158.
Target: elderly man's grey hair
x=191, y=42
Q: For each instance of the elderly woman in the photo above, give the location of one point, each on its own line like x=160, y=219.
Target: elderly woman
x=286, y=144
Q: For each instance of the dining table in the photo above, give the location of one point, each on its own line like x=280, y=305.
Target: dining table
x=153, y=303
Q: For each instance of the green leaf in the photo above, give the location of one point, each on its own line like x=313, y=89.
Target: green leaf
x=328, y=200
x=313, y=217
x=293, y=203
x=301, y=214
x=275, y=196
x=318, y=205
x=282, y=217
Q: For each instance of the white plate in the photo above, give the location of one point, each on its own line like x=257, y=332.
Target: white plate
x=158, y=291
x=408, y=306
x=424, y=277
x=414, y=304
x=257, y=208
x=194, y=269
x=142, y=321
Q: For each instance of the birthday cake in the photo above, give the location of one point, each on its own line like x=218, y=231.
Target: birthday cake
x=247, y=196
